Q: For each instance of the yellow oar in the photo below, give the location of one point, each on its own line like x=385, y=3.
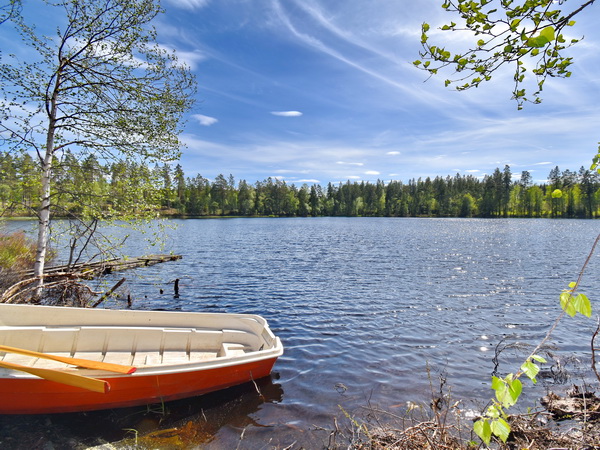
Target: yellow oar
x=86, y=363
x=91, y=384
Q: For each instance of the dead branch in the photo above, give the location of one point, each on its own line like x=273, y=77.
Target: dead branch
x=107, y=294
x=594, y=351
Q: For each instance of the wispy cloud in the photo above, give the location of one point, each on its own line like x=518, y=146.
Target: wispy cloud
x=343, y=163
x=206, y=121
x=286, y=113
x=191, y=58
x=321, y=46
x=191, y=5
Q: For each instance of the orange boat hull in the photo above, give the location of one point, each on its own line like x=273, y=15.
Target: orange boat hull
x=38, y=396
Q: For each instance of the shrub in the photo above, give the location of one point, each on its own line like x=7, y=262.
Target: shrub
x=17, y=252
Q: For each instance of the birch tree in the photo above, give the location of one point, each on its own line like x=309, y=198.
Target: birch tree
x=530, y=37
x=101, y=85
x=9, y=10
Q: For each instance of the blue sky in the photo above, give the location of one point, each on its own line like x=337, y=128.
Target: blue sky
x=324, y=91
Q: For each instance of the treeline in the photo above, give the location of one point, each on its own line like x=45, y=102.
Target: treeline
x=87, y=184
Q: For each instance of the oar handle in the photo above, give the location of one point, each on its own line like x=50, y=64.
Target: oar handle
x=79, y=362
x=71, y=379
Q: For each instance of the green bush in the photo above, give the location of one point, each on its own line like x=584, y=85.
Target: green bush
x=17, y=251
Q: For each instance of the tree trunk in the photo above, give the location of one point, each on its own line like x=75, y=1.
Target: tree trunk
x=44, y=220
x=44, y=211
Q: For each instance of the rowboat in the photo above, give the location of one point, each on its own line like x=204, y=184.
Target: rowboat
x=59, y=359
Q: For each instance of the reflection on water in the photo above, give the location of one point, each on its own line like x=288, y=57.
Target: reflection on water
x=367, y=304
x=178, y=424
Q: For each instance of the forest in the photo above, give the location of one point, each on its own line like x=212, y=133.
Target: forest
x=88, y=187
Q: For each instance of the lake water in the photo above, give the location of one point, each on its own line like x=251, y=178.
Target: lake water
x=363, y=306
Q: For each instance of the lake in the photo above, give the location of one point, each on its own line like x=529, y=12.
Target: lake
x=363, y=307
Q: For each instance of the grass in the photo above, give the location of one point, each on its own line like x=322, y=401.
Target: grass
x=17, y=252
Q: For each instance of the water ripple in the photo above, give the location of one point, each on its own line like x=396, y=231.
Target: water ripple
x=369, y=304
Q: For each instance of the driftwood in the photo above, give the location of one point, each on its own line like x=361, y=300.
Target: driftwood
x=92, y=269
x=575, y=405
x=68, y=278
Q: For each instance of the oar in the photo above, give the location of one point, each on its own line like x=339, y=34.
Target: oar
x=86, y=363
x=91, y=384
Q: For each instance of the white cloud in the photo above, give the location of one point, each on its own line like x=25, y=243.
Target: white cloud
x=393, y=153
x=371, y=172
x=191, y=59
x=286, y=113
x=189, y=4
x=205, y=120
x=349, y=163
x=351, y=50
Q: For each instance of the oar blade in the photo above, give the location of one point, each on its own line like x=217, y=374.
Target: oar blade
x=90, y=364
x=91, y=384
x=79, y=362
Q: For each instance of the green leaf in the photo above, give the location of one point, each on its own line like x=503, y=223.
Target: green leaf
x=494, y=411
x=507, y=390
x=566, y=304
x=538, y=358
x=501, y=429
x=497, y=383
x=480, y=43
x=548, y=33
x=417, y=62
x=582, y=305
x=514, y=389
x=572, y=284
x=530, y=369
x=537, y=42
x=483, y=429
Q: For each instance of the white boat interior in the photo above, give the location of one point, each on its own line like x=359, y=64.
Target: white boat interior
x=144, y=339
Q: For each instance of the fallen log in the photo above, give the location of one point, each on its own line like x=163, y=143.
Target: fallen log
x=65, y=276
x=95, y=268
